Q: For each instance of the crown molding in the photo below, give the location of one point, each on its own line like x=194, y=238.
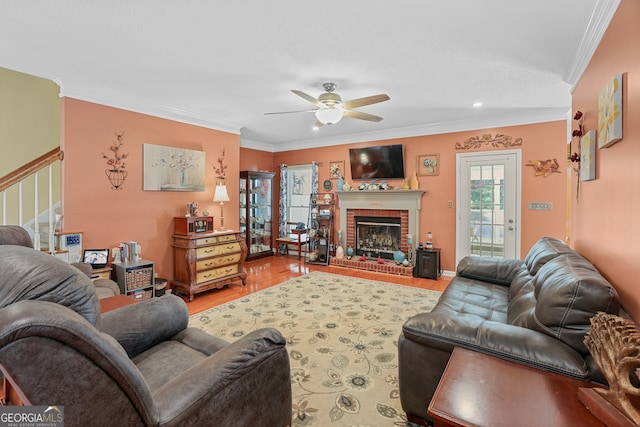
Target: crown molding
x=164, y=112
x=600, y=19
x=499, y=120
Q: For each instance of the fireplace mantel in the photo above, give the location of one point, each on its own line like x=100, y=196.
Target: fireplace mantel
x=408, y=200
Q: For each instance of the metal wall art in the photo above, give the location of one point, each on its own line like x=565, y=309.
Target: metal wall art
x=498, y=141
x=116, y=172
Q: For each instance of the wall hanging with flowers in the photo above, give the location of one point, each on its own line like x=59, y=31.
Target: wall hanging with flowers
x=336, y=169
x=116, y=172
x=220, y=169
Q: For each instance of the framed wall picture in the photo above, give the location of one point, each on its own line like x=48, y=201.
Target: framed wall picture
x=173, y=169
x=428, y=164
x=336, y=169
x=610, y=113
x=588, y=156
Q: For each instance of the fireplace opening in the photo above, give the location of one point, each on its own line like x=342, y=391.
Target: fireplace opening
x=377, y=236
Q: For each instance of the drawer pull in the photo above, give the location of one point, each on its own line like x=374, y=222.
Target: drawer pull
x=208, y=251
x=230, y=247
x=208, y=264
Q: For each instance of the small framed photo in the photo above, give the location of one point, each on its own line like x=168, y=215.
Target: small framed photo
x=428, y=164
x=336, y=169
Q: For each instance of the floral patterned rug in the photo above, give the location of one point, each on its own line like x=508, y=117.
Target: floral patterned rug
x=342, y=336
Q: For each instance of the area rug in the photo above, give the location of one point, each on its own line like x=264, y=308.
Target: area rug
x=342, y=337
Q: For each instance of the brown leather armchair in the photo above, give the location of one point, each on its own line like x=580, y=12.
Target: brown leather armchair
x=136, y=365
x=17, y=235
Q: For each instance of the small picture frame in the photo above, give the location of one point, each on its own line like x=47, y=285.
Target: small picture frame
x=336, y=169
x=428, y=165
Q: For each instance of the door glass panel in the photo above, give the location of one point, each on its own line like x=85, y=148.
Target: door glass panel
x=486, y=202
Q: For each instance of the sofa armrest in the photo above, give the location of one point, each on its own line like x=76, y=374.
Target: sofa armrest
x=138, y=327
x=253, y=369
x=514, y=343
x=499, y=271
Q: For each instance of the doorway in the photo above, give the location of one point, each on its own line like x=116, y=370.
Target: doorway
x=488, y=192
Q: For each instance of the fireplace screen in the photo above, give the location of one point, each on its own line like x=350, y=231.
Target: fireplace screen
x=377, y=236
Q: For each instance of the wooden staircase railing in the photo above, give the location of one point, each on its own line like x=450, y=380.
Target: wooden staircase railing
x=16, y=179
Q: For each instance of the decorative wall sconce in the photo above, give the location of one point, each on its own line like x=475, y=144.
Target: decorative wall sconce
x=116, y=172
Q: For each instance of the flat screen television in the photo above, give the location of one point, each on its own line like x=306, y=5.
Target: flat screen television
x=383, y=162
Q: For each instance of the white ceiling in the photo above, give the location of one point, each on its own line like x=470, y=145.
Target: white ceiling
x=223, y=64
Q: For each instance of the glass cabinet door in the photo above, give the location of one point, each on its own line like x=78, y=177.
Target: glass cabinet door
x=256, y=212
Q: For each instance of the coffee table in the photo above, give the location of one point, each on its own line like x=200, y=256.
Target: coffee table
x=481, y=390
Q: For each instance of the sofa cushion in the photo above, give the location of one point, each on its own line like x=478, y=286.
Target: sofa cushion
x=544, y=250
x=568, y=291
x=498, y=271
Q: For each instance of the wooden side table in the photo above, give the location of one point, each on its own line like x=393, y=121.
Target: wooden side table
x=480, y=390
x=116, y=301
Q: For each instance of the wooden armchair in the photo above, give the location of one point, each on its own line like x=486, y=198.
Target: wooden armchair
x=294, y=236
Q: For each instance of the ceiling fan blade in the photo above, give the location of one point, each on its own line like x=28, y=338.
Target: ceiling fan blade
x=361, y=116
x=367, y=100
x=309, y=98
x=290, y=112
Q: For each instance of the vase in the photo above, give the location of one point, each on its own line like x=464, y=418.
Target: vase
x=350, y=251
x=399, y=256
x=414, y=182
x=339, y=252
x=340, y=183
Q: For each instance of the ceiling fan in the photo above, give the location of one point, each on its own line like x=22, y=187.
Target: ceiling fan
x=331, y=109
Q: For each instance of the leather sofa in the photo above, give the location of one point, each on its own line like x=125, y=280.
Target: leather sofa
x=534, y=311
x=139, y=365
x=18, y=236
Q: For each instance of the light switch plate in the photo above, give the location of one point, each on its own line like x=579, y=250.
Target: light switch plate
x=540, y=206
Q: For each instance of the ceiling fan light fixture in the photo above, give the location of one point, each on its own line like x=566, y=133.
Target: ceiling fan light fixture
x=329, y=116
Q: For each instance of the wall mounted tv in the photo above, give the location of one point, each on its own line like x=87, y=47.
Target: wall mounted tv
x=383, y=162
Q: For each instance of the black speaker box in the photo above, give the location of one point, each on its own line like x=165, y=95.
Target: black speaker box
x=427, y=263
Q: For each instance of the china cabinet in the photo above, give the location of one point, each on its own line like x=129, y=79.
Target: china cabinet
x=256, y=222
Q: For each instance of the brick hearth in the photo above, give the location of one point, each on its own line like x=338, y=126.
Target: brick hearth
x=372, y=265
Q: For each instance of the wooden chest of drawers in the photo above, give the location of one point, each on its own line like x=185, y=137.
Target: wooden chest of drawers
x=207, y=261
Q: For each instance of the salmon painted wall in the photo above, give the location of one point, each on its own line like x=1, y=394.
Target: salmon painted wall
x=540, y=142
x=256, y=160
x=108, y=217
x=605, y=224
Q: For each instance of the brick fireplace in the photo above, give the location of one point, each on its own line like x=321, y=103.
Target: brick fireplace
x=402, y=204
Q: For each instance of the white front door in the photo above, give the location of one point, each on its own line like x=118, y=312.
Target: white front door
x=488, y=192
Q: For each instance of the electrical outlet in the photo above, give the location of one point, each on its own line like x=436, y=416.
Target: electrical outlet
x=450, y=204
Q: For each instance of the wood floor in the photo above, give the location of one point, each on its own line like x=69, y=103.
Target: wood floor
x=266, y=272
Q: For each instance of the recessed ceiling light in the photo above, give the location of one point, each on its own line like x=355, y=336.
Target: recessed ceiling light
x=477, y=104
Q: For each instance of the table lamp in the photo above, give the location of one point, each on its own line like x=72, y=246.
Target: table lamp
x=221, y=196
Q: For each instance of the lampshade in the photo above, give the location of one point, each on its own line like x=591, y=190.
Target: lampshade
x=221, y=194
x=330, y=116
